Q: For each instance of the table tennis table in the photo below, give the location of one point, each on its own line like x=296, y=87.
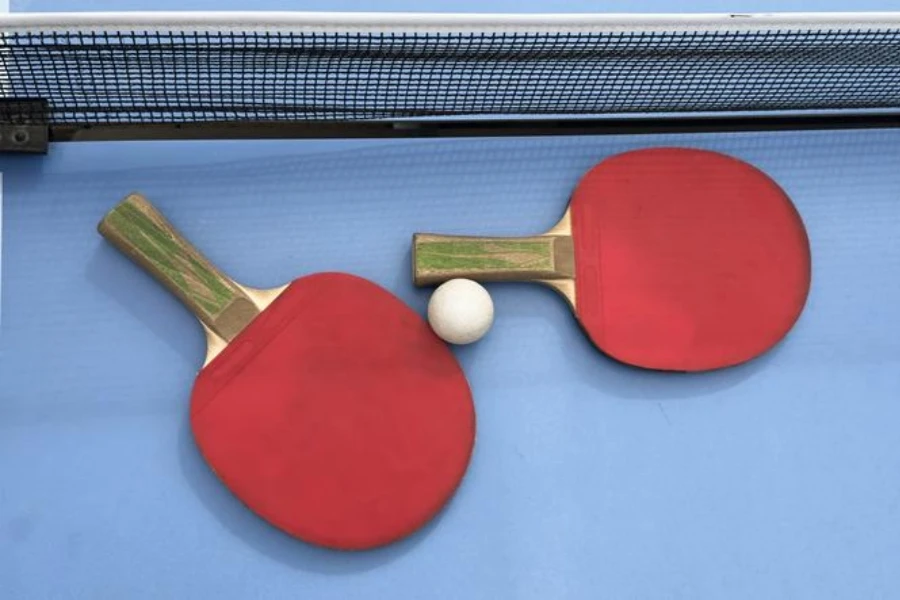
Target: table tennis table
x=775, y=479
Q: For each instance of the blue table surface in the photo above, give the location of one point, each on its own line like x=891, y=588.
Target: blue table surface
x=776, y=479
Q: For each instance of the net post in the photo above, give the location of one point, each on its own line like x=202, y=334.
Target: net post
x=23, y=126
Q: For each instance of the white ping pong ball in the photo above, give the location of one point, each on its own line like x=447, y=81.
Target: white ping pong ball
x=460, y=311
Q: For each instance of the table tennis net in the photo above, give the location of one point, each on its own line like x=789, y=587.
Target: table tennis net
x=109, y=69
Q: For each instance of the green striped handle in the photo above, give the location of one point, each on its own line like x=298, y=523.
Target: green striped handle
x=437, y=258
x=140, y=231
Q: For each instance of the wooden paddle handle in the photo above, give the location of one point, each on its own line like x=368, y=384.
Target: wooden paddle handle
x=437, y=258
x=141, y=232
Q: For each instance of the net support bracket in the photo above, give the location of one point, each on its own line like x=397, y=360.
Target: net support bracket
x=23, y=126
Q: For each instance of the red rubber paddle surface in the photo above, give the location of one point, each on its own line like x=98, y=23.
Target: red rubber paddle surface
x=337, y=415
x=686, y=259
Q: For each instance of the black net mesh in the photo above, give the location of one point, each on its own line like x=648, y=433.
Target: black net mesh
x=185, y=77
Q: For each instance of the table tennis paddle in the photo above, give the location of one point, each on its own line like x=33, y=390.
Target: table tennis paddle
x=326, y=405
x=674, y=259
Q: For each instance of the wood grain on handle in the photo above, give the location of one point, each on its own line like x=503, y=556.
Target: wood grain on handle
x=437, y=258
x=136, y=228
